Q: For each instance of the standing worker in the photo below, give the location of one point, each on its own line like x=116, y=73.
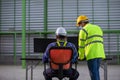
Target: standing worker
x=91, y=46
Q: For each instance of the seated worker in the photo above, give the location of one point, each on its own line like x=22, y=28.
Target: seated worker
x=61, y=40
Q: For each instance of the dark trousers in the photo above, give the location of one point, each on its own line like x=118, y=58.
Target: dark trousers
x=73, y=74
x=93, y=66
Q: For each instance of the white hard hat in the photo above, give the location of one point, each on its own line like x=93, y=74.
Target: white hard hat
x=61, y=31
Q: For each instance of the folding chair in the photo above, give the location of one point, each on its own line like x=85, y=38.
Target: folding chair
x=60, y=59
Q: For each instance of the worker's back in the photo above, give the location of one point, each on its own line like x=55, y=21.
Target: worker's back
x=94, y=42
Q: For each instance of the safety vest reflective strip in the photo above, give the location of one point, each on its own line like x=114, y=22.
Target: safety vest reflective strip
x=85, y=31
x=96, y=41
x=91, y=37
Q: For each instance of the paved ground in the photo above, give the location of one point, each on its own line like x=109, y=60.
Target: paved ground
x=12, y=72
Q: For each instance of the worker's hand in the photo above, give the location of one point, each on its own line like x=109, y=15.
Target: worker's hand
x=79, y=58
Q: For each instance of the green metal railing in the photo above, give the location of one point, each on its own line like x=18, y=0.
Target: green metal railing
x=23, y=32
x=117, y=32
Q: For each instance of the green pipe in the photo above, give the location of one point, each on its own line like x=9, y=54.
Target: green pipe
x=15, y=33
x=15, y=48
x=23, y=32
x=50, y=32
x=45, y=16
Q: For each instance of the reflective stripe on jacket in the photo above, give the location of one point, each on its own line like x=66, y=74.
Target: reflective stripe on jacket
x=90, y=42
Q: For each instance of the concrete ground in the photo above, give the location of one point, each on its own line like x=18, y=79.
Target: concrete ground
x=15, y=72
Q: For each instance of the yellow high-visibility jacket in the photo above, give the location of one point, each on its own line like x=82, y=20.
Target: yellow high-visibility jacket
x=90, y=42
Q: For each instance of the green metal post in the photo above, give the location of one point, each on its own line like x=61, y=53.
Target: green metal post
x=14, y=31
x=45, y=16
x=15, y=48
x=23, y=32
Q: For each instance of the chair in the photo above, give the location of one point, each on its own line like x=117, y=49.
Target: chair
x=60, y=59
